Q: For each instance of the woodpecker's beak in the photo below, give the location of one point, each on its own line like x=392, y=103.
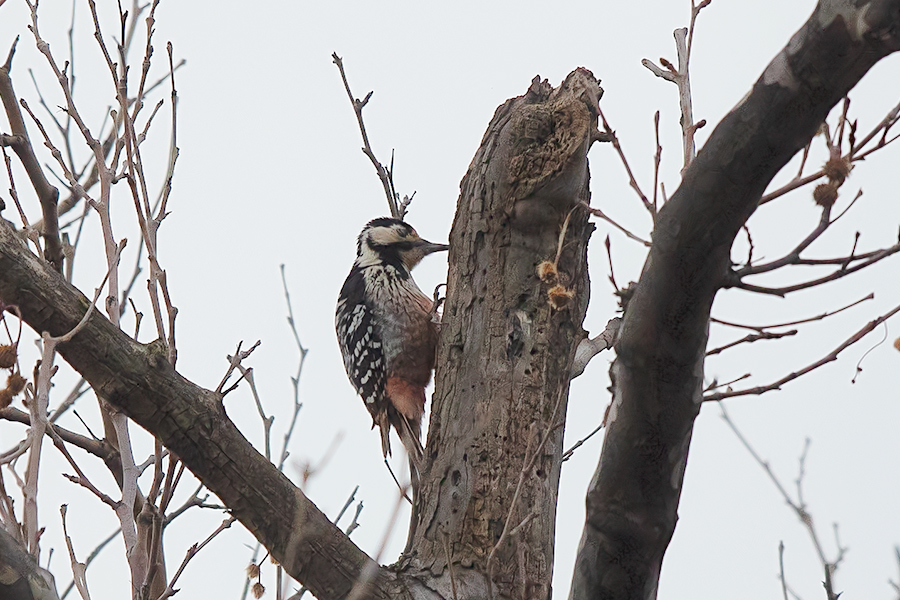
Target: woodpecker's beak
x=428, y=247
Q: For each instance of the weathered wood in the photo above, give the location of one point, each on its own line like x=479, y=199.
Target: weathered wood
x=502, y=379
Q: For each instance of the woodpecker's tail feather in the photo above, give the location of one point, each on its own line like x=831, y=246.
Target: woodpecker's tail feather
x=409, y=431
x=384, y=425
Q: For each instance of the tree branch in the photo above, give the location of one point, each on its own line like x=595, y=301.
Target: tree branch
x=47, y=194
x=191, y=422
x=831, y=356
x=398, y=209
x=658, y=377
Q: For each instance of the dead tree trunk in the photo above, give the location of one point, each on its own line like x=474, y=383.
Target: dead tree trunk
x=494, y=446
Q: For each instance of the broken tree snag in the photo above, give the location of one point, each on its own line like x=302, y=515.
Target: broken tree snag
x=501, y=386
x=633, y=498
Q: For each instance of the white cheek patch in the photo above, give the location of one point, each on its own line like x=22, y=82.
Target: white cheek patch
x=383, y=236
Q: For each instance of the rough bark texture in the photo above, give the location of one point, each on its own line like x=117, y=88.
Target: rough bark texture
x=21, y=578
x=633, y=498
x=503, y=363
x=190, y=421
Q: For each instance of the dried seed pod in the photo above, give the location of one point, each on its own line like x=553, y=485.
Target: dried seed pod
x=258, y=590
x=5, y=398
x=252, y=571
x=7, y=356
x=15, y=383
x=837, y=169
x=559, y=296
x=825, y=194
x=547, y=272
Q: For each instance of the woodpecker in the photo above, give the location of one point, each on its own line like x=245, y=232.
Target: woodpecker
x=386, y=331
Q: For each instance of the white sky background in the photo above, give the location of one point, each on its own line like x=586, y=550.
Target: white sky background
x=270, y=172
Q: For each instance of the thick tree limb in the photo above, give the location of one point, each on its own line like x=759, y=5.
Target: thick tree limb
x=191, y=422
x=633, y=498
x=22, y=578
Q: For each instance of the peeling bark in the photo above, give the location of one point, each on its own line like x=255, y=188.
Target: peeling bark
x=633, y=498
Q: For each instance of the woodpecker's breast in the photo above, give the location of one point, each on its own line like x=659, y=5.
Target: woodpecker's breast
x=403, y=318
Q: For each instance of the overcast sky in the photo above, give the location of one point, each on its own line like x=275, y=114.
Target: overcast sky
x=270, y=172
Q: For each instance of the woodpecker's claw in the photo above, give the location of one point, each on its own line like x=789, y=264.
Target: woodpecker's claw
x=438, y=301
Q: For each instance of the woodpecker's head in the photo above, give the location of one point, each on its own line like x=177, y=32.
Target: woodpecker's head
x=391, y=241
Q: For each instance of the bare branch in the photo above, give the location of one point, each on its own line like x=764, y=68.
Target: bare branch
x=295, y=380
x=191, y=553
x=611, y=136
x=799, y=508
x=832, y=356
x=781, y=570
x=267, y=503
x=753, y=337
x=684, y=38
x=840, y=273
x=591, y=347
x=98, y=448
x=47, y=194
x=78, y=569
x=790, y=323
x=90, y=559
x=384, y=174
x=568, y=453
x=599, y=213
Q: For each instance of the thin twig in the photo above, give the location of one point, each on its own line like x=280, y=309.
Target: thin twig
x=832, y=356
x=90, y=559
x=383, y=174
x=716, y=385
x=781, y=569
x=631, y=180
x=657, y=159
x=838, y=274
x=752, y=337
x=798, y=506
x=295, y=380
x=599, y=213
x=853, y=155
x=78, y=568
x=191, y=553
x=568, y=453
x=792, y=323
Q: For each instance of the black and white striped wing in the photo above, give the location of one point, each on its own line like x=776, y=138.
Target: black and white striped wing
x=360, y=343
